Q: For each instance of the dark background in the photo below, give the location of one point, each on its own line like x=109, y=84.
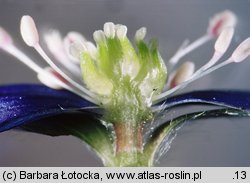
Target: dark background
x=217, y=142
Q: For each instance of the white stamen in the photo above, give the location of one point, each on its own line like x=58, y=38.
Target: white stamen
x=240, y=54
x=109, y=29
x=5, y=38
x=140, y=34
x=217, y=24
x=183, y=45
x=174, y=60
x=55, y=46
x=224, y=40
x=71, y=38
x=75, y=50
x=242, y=51
x=183, y=73
x=215, y=58
x=28, y=26
x=57, y=69
x=99, y=36
x=49, y=79
x=164, y=95
x=13, y=50
x=220, y=21
x=28, y=31
x=121, y=31
x=53, y=40
x=221, y=45
x=75, y=36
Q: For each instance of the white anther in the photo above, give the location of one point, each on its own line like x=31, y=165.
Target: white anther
x=121, y=31
x=140, y=34
x=70, y=41
x=220, y=21
x=28, y=27
x=29, y=31
x=5, y=38
x=224, y=40
x=75, y=50
x=183, y=73
x=242, y=51
x=109, y=29
x=75, y=36
x=53, y=40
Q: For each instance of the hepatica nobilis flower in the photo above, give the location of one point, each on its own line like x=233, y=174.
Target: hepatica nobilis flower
x=112, y=93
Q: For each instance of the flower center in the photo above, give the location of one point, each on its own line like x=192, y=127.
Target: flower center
x=124, y=78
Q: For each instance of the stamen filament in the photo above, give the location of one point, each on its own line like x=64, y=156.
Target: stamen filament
x=164, y=95
x=31, y=38
x=67, y=87
x=14, y=51
x=181, y=53
x=209, y=64
x=221, y=45
x=183, y=45
x=39, y=49
x=72, y=67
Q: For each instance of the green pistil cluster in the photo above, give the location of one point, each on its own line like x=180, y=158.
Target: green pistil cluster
x=124, y=78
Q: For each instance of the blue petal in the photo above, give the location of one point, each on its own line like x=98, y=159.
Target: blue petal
x=235, y=99
x=20, y=104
